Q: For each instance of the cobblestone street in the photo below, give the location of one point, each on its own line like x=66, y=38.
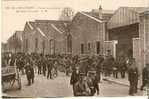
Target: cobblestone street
x=60, y=87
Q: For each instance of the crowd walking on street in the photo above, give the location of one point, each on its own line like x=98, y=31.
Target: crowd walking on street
x=85, y=71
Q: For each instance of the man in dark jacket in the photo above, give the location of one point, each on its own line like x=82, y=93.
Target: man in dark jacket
x=133, y=77
x=32, y=74
x=44, y=66
x=49, y=68
x=74, y=78
x=145, y=76
x=28, y=72
x=39, y=66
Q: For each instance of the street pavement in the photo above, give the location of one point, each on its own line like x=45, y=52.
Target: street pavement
x=60, y=87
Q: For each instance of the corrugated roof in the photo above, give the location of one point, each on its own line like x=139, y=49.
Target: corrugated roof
x=138, y=9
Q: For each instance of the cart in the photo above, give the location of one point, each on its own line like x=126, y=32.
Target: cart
x=10, y=76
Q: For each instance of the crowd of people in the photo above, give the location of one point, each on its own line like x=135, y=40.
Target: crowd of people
x=85, y=70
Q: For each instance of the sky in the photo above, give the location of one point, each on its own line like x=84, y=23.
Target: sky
x=15, y=13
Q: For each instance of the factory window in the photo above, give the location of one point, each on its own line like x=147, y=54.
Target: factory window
x=82, y=48
x=36, y=43
x=97, y=47
x=26, y=45
x=43, y=46
x=89, y=46
x=69, y=43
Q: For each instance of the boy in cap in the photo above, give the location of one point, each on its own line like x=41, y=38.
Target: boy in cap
x=81, y=87
x=92, y=82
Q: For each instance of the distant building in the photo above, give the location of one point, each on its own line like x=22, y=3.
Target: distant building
x=144, y=37
x=126, y=27
x=4, y=47
x=14, y=43
x=123, y=33
x=88, y=31
x=45, y=36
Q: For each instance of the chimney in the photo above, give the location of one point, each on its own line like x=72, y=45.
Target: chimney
x=100, y=12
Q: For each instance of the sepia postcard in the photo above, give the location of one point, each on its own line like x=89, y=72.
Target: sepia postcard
x=74, y=48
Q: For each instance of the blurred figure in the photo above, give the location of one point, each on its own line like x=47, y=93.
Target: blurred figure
x=44, y=66
x=99, y=68
x=74, y=78
x=92, y=82
x=115, y=69
x=145, y=76
x=39, y=66
x=123, y=67
x=49, y=68
x=29, y=73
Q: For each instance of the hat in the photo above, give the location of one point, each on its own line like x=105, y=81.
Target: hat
x=92, y=72
x=82, y=74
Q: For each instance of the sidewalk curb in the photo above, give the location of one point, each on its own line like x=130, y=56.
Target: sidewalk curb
x=117, y=82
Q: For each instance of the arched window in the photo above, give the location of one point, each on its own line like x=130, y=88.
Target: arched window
x=82, y=48
x=97, y=47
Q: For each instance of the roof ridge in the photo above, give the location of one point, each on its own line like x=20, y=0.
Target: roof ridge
x=91, y=17
x=41, y=32
x=30, y=26
x=56, y=28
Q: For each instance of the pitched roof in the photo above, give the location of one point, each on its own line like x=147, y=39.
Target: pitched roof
x=45, y=26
